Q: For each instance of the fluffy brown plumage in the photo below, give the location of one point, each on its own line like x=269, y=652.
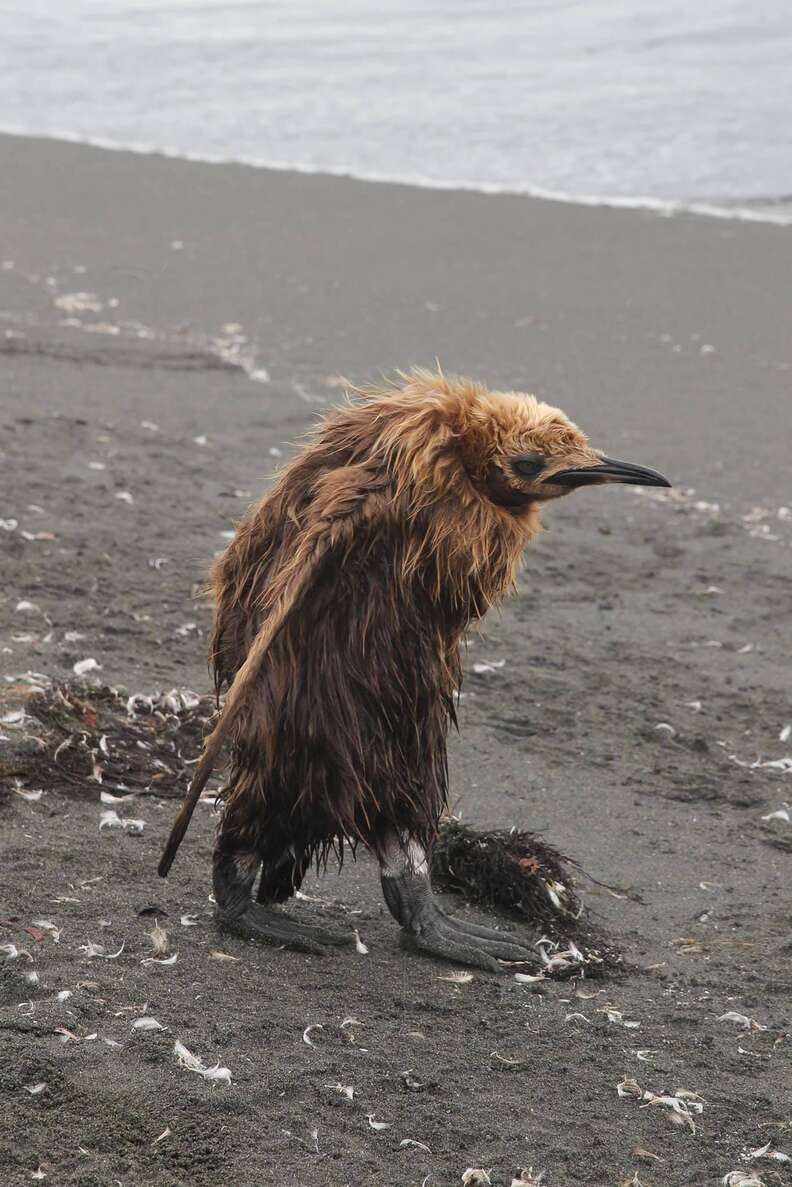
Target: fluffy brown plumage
x=342, y=603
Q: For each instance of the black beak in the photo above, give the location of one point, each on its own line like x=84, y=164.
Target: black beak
x=607, y=470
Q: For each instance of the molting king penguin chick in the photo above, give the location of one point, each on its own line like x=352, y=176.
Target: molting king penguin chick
x=340, y=608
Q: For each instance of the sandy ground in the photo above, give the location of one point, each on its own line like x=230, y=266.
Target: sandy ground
x=166, y=331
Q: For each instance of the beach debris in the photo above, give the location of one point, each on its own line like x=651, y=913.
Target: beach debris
x=459, y=978
x=107, y=797
x=306, y=1037
x=192, y=1063
x=27, y=794
x=159, y=938
x=765, y=1151
x=483, y=669
x=532, y=979
x=378, y=1125
x=90, y=949
x=741, y=1020
x=342, y=1089
x=85, y=665
x=476, y=1177
x=781, y=813
x=681, y=1106
x=78, y=303
x=742, y=1179
x=645, y=1155
x=147, y=1023
x=37, y=1089
x=359, y=945
x=617, y=1018
x=11, y=952
x=414, y=1143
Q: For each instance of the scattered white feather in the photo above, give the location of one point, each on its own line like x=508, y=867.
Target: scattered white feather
x=779, y=814
x=90, y=949
x=161, y=960
x=32, y=796
x=35, y=1089
x=742, y=1179
x=193, y=1064
x=124, y=496
x=189, y=920
x=483, y=669
x=32, y=978
x=307, y=1034
x=378, y=1125
x=51, y=928
x=765, y=1152
x=414, y=1143
x=13, y=953
x=159, y=939
x=215, y=955
x=107, y=797
x=741, y=1020
x=25, y=607
x=147, y=1023
x=64, y=995
x=38, y=1173
x=165, y=1134
x=616, y=1017
x=86, y=665
x=459, y=978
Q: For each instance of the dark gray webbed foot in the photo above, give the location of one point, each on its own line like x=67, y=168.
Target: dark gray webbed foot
x=233, y=877
x=271, y=926
x=408, y=893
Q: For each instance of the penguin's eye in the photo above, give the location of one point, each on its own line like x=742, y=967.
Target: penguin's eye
x=528, y=465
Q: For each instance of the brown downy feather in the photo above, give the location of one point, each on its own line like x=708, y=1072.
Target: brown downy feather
x=340, y=607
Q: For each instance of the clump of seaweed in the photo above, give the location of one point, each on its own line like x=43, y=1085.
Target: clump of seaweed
x=518, y=873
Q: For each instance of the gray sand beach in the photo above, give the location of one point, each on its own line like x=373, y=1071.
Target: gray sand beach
x=168, y=331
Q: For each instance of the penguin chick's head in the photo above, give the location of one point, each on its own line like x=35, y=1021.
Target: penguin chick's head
x=515, y=450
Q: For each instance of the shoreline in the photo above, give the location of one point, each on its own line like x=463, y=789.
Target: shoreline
x=752, y=210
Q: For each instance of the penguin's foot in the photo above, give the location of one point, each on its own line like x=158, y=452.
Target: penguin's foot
x=268, y=925
x=431, y=930
x=408, y=893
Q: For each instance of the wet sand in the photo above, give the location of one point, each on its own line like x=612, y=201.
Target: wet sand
x=167, y=330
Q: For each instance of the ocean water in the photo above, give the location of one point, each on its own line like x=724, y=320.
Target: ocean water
x=656, y=102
